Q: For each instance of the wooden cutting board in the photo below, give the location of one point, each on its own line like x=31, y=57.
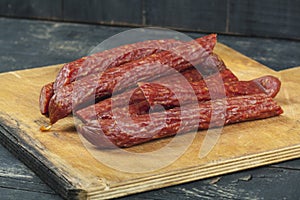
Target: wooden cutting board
x=62, y=159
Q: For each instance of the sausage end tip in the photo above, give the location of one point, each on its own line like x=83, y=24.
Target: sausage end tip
x=45, y=128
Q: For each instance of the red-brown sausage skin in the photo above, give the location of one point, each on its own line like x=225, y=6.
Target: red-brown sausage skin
x=106, y=133
x=102, y=109
x=269, y=84
x=45, y=96
x=92, y=87
x=97, y=62
x=157, y=94
x=221, y=99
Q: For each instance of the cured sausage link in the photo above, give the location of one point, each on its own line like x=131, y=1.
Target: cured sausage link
x=92, y=87
x=102, y=109
x=98, y=62
x=117, y=56
x=157, y=94
x=45, y=96
x=106, y=133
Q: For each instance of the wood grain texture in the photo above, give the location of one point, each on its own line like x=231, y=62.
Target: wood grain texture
x=47, y=43
x=191, y=15
x=241, y=146
x=273, y=18
x=18, y=182
x=104, y=11
x=269, y=18
x=236, y=186
x=32, y=8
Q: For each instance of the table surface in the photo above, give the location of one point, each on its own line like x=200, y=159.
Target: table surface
x=28, y=44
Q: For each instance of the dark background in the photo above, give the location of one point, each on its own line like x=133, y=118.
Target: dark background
x=265, y=18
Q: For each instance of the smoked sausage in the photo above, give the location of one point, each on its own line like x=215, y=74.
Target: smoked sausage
x=94, y=87
x=106, y=133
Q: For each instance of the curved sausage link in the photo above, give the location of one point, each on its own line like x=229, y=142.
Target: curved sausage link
x=191, y=52
x=45, y=96
x=102, y=109
x=106, y=133
x=269, y=84
x=97, y=62
x=157, y=94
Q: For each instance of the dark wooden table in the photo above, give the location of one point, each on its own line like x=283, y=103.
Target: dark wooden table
x=31, y=43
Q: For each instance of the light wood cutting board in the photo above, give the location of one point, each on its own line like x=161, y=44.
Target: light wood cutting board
x=62, y=160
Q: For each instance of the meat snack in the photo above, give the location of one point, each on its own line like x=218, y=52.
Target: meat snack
x=98, y=62
x=117, y=56
x=136, y=78
x=109, y=58
x=102, y=108
x=93, y=86
x=106, y=133
x=150, y=94
x=157, y=94
x=45, y=96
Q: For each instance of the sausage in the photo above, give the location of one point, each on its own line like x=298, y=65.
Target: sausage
x=92, y=87
x=110, y=58
x=269, y=84
x=193, y=75
x=45, y=95
x=106, y=133
x=102, y=108
x=113, y=58
x=157, y=94
x=99, y=61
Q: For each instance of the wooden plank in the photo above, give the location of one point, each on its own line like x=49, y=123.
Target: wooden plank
x=42, y=167
x=191, y=15
x=15, y=175
x=47, y=43
x=32, y=8
x=259, y=183
x=274, y=53
x=51, y=155
x=104, y=11
x=289, y=165
x=251, y=17
x=12, y=194
x=273, y=18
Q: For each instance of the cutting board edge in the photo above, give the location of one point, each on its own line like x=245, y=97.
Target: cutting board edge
x=54, y=66
x=34, y=159
x=195, y=173
x=289, y=70
x=223, y=46
x=42, y=166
